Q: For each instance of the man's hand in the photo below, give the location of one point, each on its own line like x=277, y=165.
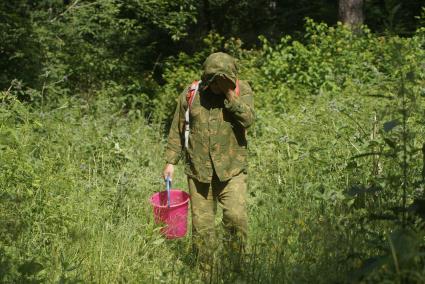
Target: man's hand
x=226, y=87
x=168, y=171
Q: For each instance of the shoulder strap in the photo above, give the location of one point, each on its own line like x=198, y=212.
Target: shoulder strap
x=237, y=89
x=191, y=93
x=190, y=96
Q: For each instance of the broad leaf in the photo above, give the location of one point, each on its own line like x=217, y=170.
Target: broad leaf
x=389, y=125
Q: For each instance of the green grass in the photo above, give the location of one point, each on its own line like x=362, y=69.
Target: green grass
x=75, y=183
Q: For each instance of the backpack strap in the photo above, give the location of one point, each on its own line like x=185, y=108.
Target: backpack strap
x=237, y=89
x=190, y=97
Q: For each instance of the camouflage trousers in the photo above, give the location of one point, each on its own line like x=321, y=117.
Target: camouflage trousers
x=231, y=197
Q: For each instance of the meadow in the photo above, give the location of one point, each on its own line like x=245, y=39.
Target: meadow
x=336, y=177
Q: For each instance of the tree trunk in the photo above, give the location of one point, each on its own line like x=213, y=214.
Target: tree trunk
x=350, y=13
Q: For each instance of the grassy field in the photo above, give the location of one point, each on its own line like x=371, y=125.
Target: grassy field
x=76, y=181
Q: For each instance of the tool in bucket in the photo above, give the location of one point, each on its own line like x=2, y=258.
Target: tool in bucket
x=170, y=208
x=168, y=182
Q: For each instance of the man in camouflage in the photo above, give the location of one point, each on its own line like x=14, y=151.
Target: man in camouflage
x=216, y=154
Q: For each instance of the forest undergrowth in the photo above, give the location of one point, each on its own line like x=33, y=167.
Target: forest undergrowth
x=336, y=176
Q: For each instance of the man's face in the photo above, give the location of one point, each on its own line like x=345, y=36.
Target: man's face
x=221, y=85
x=215, y=87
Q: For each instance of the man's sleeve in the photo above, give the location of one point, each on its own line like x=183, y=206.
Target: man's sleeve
x=242, y=106
x=175, y=144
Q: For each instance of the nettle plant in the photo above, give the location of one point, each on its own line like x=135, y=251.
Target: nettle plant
x=396, y=183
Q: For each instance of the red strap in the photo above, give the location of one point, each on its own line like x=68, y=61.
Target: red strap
x=191, y=93
x=237, y=88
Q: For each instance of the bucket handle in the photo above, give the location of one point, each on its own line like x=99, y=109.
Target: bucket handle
x=168, y=182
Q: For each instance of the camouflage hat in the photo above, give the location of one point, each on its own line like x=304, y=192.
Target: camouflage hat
x=219, y=64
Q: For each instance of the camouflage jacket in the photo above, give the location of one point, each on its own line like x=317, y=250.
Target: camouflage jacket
x=217, y=139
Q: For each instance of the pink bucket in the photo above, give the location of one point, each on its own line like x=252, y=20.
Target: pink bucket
x=175, y=216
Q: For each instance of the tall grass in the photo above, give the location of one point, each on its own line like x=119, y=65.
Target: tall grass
x=75, y=183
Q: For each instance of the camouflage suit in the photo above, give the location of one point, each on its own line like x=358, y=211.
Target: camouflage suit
x=216, y=157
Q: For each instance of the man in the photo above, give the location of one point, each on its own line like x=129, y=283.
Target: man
x=220, y=110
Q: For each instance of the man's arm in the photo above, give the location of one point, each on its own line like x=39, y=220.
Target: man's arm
x=174, y=148
x=242, y=106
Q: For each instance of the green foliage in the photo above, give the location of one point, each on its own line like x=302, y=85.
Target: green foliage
x=88, y=45
x=68, y=174
x=247, y=19
x=397, y=150
x=20, y=53
x=336, y=185
x=327, y=148
x=390, y=16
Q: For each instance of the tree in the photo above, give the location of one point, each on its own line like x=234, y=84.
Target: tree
x=20, y=52
x=397, y=17
x=350, y=13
